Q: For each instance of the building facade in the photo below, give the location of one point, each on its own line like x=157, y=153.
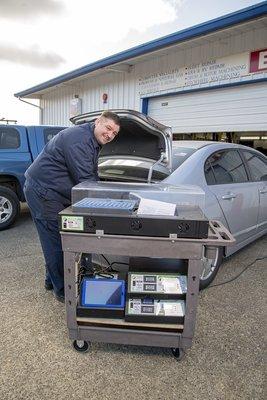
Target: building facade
x=208, y=81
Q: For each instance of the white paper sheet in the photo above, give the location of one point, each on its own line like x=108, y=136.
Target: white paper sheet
x=155, y=207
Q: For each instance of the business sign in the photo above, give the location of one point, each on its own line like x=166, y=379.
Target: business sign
x=258, y=61
x=217, y=71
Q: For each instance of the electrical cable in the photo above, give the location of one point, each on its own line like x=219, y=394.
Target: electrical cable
x=113, y=263
x=105, y=258
x=209, y=287
x=106, y=275
x=238, y=275
x=119, y=263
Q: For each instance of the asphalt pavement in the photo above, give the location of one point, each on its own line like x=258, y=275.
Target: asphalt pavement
x=37, y=360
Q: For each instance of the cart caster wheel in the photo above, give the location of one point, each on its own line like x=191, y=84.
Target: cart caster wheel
x=178, y=353
x=81, y=346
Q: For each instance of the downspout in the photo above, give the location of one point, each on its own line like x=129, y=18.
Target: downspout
x=35, y=105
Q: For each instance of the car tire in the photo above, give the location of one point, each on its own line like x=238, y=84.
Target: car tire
x=210, y=269
x=9, y=207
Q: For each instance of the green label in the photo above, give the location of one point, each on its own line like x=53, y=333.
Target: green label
x=71, y=223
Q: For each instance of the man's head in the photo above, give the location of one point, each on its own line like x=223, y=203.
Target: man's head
x=107, y=127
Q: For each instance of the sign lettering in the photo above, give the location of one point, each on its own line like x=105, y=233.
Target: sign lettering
x=258, y=61
x=235, y=68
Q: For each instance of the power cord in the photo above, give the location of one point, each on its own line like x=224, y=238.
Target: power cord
x=109, y=267
x=108, y=271
x=238, y=275
x=119, y=263
x=107, y=261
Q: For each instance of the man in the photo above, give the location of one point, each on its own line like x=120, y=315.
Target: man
x=68, y=159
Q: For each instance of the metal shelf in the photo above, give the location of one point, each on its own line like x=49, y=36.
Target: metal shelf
x=175, y=336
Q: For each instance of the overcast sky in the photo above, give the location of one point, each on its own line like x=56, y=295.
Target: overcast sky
x=41, y=39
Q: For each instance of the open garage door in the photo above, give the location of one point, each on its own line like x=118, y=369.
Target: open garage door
x=232, y=109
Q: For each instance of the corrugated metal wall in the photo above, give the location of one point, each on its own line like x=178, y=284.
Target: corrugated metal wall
x=123, y=88
x=239, y=108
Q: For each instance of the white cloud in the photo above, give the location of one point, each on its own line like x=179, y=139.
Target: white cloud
x=28, y=9
x=32, y=56
x=85, y=32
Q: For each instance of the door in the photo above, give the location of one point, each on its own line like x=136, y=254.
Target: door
x=238, y=198
x=258, y=174
x=232, y=109
x=14, y=153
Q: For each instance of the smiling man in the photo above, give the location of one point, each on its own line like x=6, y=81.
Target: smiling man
x=69, y=158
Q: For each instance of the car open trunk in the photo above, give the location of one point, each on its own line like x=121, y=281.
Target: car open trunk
x=141, y=152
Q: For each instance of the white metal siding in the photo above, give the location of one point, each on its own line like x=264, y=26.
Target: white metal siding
x=56, y=105
x=240, y=108
x=123, y=88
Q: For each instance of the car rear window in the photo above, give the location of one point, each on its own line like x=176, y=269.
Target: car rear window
x=9, y=138
x=180, y=154
x=49, y=133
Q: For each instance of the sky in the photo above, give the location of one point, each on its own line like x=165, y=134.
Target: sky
x=42, y=39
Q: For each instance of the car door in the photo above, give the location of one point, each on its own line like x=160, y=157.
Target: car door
x=238, y=198
x=15, y=156
x=257, y=166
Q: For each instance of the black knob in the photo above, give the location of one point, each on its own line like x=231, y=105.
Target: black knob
x=90, y=223
x=183, y=227
x=136, y=225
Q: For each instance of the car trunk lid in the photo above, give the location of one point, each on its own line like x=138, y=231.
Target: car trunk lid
x=140, y=138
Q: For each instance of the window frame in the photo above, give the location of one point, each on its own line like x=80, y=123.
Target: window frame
x=247, y=164
x=214, y=176
x=46, y=133
x=8, y=130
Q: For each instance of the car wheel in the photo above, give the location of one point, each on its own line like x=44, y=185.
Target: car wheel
x=81, y=346
x=210, y=268
x=9, y=207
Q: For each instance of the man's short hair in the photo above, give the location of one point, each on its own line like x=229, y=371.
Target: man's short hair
x=111, y=115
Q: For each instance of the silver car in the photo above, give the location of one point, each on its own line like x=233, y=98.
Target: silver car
x=228, y=181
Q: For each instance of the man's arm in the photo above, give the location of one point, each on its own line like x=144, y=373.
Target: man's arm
x=79, y=158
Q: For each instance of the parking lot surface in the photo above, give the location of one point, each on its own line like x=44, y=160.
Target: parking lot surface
x=225, y=362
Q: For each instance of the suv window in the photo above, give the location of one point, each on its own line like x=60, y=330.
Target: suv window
x=257, y=166
x=49, y=133
x=225, y=167
x=9, y=138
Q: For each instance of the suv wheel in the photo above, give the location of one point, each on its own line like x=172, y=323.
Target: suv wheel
x=9, y=207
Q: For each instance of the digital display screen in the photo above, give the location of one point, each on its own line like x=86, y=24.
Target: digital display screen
x=147, y=300
x=147, y=309
x=105, y=293
x=150, y=287
x=150, y=278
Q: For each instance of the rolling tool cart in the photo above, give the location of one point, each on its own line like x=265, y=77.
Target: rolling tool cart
x=159, y=307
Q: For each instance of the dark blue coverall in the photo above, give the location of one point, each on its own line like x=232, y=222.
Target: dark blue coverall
x=69, y=158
